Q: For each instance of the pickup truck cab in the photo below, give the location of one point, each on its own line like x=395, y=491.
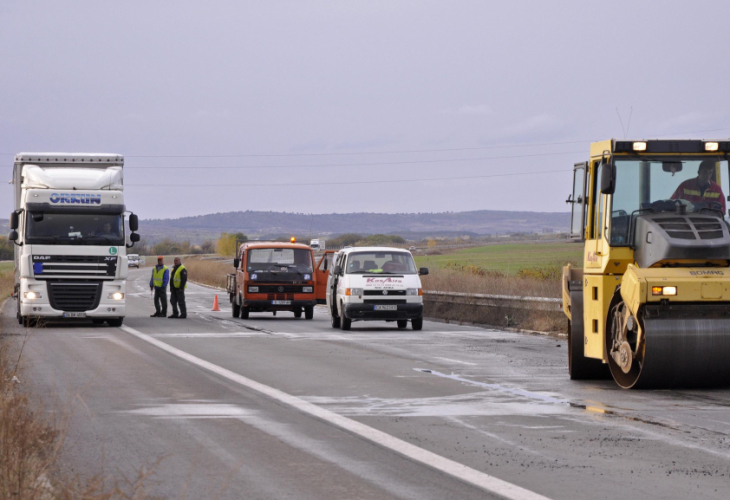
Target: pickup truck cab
x=375, y=284
x=272, y=277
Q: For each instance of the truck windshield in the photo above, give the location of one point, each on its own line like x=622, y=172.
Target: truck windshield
x=381, y=263
x=279, y=260
x=651, y=185
x=82, y=229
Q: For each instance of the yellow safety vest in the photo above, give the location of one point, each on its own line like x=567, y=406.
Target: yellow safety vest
x=158, y=277
x=176, y=277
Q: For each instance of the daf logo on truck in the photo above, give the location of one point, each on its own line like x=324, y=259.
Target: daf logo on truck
x=85, y=199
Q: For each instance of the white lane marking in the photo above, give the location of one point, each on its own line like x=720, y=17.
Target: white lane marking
x=217, y=335
x=443, y=464
x=188, y=410
x=456, y=361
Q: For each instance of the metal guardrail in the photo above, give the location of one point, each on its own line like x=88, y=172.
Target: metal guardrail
x=503, y=301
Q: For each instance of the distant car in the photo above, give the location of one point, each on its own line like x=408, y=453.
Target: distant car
x=412, y=249
x=133, y=260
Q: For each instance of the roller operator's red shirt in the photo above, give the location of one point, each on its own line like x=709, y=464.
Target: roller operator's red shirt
x=689, y=190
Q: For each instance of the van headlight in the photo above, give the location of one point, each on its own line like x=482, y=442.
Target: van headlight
x=414, y=291
x=116, y=296
x=353, y=291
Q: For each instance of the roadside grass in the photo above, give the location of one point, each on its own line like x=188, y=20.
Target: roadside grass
x=208, y=272
x=509, y=258
x=31, y=439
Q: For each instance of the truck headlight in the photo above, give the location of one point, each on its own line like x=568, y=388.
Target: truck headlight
x=116, y=296
x=353, y=291
x=32, y=295
x=307, y=289
x=253, y=289
x=664, y=290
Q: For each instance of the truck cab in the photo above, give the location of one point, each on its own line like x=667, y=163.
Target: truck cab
x=68, y=227
x=375, y=284
x=273, y=277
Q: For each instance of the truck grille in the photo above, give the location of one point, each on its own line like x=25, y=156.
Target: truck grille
x=74, y=296
x=282, y=288
x=74, y=266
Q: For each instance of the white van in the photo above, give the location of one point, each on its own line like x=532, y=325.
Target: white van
x=133, y=260
x=375, y=284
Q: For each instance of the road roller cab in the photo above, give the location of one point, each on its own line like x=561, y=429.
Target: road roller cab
x=651, y=305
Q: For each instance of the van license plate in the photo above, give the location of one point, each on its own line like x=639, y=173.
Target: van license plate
x=74, y=315
x=386, y=308
x=281, y=302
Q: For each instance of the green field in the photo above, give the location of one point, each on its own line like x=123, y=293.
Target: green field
x=4, y=266
x=508, y=258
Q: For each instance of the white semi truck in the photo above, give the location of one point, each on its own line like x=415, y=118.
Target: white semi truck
x=69, y=234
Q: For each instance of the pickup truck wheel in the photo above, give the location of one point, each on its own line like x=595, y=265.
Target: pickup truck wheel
x=309, y=312
x=417, y=324
x=244, y=312
x=116, y=322
x=402, y=323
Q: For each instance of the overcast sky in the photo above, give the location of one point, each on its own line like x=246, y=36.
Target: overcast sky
x=352, y=82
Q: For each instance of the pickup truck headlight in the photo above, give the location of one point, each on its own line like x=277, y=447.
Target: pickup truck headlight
x=253, y=289
x=307, y=289
x=116, y=296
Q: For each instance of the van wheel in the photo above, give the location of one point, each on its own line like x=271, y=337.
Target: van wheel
x=117, y=322
x=308, y=313
x=334, y=320
x=417, y=324
x=402, y=323
x=244, y=312
x=345, y=323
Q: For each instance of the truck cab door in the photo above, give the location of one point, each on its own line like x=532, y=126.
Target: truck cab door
x=321, y=276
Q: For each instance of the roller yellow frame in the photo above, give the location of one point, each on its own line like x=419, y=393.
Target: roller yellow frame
x=651, y=305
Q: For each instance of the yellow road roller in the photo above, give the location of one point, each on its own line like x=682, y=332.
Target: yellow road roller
x=651, y=305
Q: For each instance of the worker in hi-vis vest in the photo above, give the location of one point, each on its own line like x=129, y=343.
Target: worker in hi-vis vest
x=158, y=282
x=178, y=284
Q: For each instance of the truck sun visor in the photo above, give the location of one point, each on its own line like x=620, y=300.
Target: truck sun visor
x=76, y=208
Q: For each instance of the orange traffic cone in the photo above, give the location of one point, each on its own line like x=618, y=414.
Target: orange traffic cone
x=215, y=304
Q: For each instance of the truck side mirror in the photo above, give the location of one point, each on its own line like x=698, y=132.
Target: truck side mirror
x=14, y=220
x=608, y=177
x=338, y=270
x=423, y=271
x=133, y=222
x=13, y=236
x=134, y=237
x=236, y=262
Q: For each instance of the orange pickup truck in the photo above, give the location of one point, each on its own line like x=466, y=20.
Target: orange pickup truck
x=272, y=277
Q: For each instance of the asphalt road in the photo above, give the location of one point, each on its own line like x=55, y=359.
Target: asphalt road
x=278, y=407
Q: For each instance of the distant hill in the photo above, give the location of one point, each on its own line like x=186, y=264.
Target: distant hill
x=413, y=226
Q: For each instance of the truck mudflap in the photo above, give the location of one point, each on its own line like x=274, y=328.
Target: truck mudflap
x=686, y=345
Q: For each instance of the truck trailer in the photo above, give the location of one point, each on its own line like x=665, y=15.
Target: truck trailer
x=69, y=234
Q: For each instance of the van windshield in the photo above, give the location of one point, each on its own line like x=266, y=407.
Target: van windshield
x=279, y=260
x=381, y=263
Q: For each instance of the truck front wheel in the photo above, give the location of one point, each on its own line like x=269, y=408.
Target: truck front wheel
x=116, y=322
x=309, y=312
x=235, y=308
x=244, y=312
